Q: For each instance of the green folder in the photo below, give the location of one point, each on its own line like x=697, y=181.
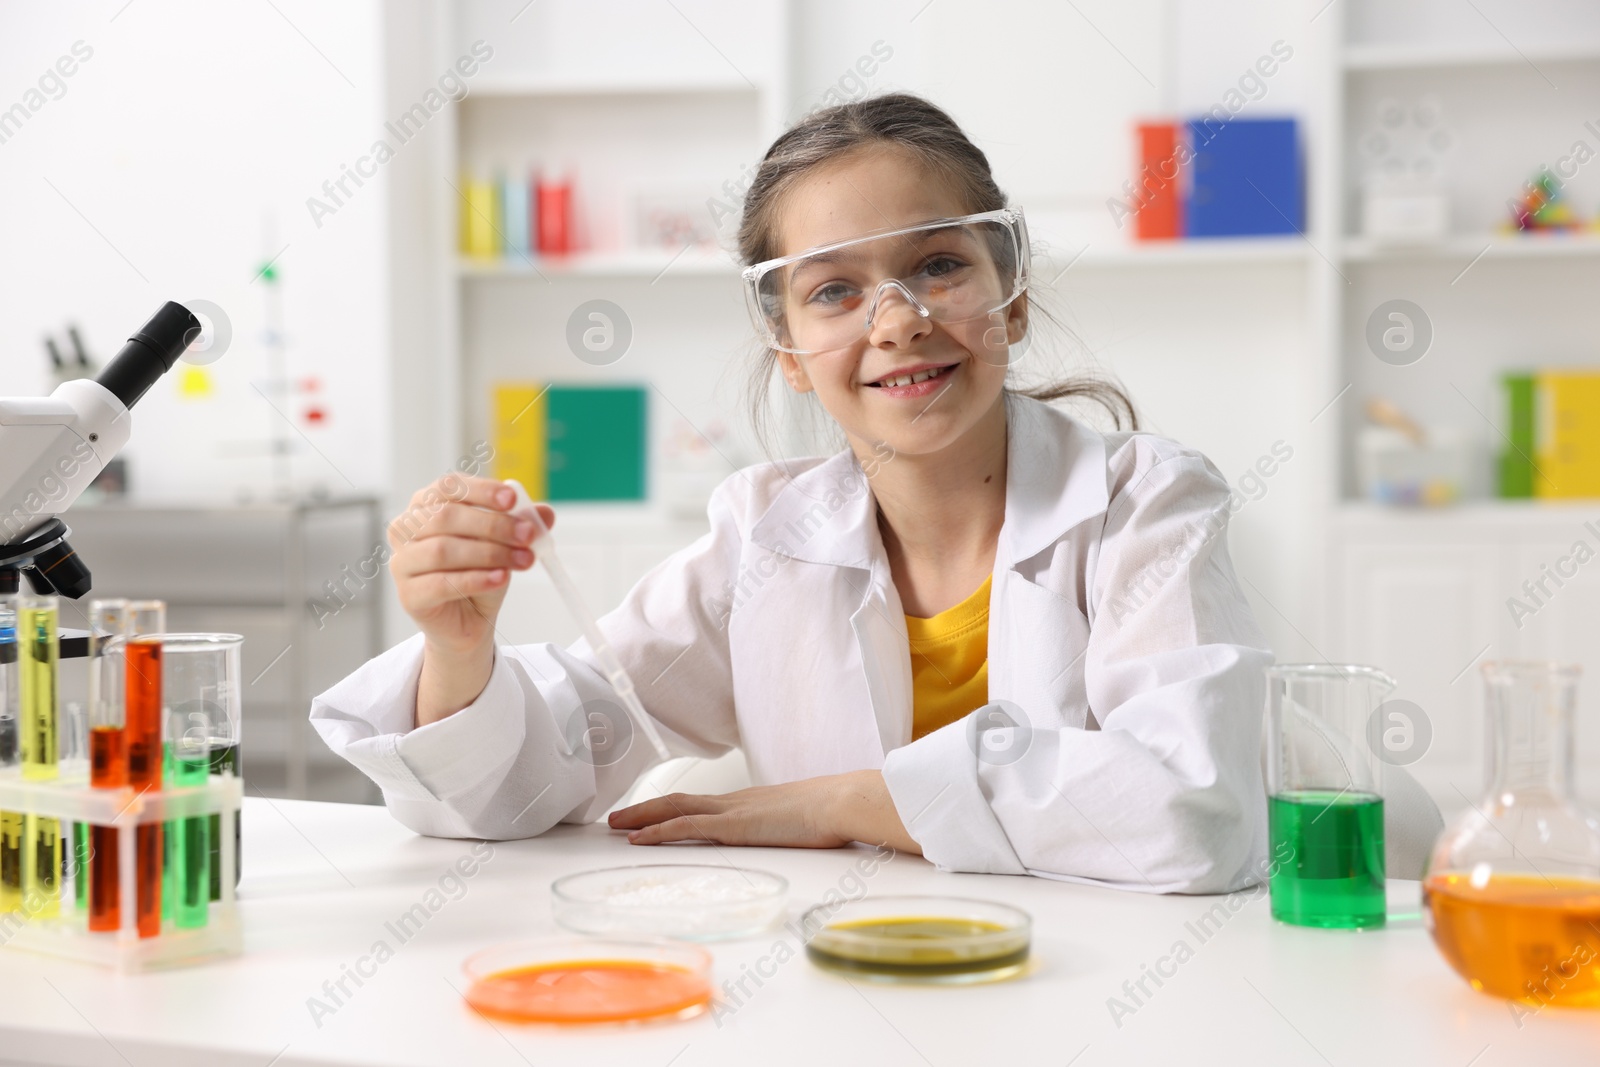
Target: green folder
x=595, y=438
x=1516, y=461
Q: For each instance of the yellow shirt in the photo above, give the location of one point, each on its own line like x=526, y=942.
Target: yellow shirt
x=949, y=663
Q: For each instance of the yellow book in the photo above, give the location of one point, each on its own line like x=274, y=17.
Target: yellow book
x=480, y=220
x=1568, y=427
x=519, y=412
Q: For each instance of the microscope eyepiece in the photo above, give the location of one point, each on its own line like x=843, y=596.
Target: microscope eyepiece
x=150, y=353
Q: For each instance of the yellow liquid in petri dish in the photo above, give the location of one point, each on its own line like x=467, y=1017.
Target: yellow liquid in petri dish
x=921, y=948
x=590, y=991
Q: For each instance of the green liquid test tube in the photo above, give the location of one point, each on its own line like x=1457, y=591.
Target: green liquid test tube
x=73, y=744
x=80, y=864
x=37, y=656
x=191, y=845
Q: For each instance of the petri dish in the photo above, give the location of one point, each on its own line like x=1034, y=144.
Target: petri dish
x=694, y=902
x=946, y=940
x=579, y=980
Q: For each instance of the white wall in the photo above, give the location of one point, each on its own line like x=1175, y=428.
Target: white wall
x=1051, y=99
x=150, y=178
x=1215, y=357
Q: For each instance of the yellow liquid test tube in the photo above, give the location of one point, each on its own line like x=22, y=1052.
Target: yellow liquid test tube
x=38, y=652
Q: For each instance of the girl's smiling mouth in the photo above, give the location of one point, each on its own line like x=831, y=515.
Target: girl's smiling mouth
x=918, y=380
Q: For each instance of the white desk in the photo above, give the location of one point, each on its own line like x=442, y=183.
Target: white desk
x=321, y=881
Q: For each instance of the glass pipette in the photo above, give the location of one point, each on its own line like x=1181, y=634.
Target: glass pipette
x=544, y=548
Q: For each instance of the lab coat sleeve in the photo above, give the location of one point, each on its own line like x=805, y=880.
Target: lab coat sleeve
x=1166, y=795
x=515, y=762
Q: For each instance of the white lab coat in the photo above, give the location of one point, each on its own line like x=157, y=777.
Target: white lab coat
x=1118, y=636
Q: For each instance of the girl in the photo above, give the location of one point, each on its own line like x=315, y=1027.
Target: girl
x=983, y=632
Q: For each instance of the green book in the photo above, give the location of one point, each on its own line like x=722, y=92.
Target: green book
x=595, y=440
x=1516, y=460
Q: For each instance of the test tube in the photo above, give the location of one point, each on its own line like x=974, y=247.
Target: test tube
x=189, y=850
x=74, y=759
x=147, y=619
x=38, y=653
x=10, y=821
x=108, y=753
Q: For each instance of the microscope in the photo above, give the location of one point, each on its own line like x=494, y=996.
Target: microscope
x=52, y=447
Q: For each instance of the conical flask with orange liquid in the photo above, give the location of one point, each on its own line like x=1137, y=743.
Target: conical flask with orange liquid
x=1512, y=892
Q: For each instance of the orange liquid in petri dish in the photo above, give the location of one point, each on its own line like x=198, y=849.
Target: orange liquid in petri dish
x=589, y=991
x=1522, y=937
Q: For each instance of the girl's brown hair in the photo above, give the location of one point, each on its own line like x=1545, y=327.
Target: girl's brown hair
x=911, y=123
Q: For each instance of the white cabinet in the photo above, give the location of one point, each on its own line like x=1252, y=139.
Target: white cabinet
x=1565, y=625
x=607, y=549
x=1427, y=596
x=1424, y=614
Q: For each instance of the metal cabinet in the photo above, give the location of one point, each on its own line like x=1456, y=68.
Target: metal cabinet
x=303, y=583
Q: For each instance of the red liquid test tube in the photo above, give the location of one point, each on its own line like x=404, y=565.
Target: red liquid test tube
x=108, y=755
x=146, y=621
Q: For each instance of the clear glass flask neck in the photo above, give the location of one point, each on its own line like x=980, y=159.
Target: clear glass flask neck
x=1529, y=712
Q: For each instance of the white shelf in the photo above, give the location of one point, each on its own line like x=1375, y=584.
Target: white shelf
x=1468, y=247
x=652, y=264
x=711, y=82
x=1513, y=515
x=1434, y=57
x=642, y=263
x=1200, y=251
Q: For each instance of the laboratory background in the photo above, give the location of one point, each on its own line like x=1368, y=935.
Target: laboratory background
x=384, y=309
x=493, y=237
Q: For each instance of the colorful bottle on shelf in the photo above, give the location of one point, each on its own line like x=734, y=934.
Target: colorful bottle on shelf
x=1512, y=893
x=553, y=199
x=516, y=209
x=480, y=218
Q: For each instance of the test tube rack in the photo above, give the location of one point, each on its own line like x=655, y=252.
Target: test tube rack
x=71, y=799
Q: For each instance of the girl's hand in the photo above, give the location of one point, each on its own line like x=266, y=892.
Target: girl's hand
x=453, y=551
x=821, y=812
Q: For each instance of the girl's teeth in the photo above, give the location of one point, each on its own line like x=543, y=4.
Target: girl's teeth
x=912, y=379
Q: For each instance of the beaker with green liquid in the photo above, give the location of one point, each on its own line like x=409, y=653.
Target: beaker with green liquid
x=204, y=685
x=1324, y=798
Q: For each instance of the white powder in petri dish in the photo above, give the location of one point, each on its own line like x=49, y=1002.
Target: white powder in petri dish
x=702, y=902
x=711, y=887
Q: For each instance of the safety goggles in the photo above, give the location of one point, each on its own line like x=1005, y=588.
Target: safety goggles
x=949, y=271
